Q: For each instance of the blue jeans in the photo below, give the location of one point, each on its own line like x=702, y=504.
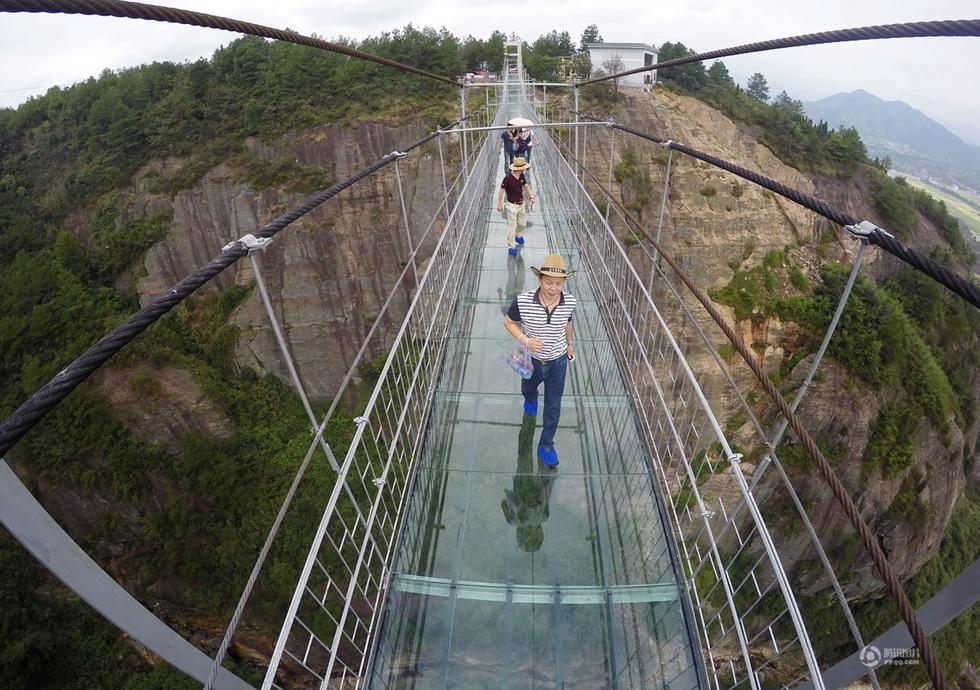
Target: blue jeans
x=552, y=373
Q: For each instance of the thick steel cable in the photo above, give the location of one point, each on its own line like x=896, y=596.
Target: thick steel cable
x=159, y=13
x=935, y=270
x=64, y=382
x=892, y=583
x=950, y=27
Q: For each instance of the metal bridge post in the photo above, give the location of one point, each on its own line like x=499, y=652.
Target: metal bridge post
x=445, y=188
x=577, y=166
x=612, y=144
x=663, y=208
x=462, y=110
x=284, y=349
x=408, y=231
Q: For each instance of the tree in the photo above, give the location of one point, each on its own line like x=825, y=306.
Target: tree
x=786, y=104
x=757, y=87
x=718, y=74
x=691, y=76
x=614, y=65
x=590, y=35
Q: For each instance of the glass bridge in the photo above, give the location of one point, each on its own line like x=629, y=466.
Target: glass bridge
x=512, y=574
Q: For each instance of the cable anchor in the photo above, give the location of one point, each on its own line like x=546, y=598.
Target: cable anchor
x=863, y=230
x=250, y=243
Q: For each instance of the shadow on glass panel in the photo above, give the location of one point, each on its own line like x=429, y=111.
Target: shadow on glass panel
x=526, y=505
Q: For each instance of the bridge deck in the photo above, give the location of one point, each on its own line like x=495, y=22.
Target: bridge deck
x=511, y=574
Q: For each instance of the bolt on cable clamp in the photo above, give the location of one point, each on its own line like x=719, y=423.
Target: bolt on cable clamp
x=398, y=154
x=378, y=481
x=667, y=144
x=864, y=229
x=250, y=242
x=735, y=458
x=360, y=420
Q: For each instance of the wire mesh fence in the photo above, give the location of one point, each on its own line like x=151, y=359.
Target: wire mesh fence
x=732, y=511
x=326, y=636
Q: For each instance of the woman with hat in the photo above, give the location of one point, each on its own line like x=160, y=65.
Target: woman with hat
x=514, y=186
x=541, y=320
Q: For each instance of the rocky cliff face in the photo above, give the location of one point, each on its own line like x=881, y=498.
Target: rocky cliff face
x=328, y=273
x=716, y=223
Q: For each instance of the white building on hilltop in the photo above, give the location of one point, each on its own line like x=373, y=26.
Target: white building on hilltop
x=632, y=55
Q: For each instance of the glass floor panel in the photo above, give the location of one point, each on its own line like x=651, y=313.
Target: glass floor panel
x=509, y=573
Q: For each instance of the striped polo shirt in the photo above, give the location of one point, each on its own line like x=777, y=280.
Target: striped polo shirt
x=538, y=322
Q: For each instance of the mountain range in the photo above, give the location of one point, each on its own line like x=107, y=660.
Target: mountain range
x=916, y=144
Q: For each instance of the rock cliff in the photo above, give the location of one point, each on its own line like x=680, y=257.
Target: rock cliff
x=329, y=273
x=716, y=223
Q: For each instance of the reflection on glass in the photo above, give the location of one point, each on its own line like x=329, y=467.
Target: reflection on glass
x=526, y=505
x=515, y=282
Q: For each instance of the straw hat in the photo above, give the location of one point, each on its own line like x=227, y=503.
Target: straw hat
x=553, y=265
x=519, y=164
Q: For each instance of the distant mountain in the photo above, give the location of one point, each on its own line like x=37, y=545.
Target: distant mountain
x=916, y=143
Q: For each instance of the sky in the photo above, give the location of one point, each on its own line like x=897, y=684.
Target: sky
x=935, y=75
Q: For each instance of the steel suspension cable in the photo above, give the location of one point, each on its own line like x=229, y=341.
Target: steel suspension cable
x=64, y=382
x=873, y=234
x=950, y=27
x=891, y=581
x=159, y=13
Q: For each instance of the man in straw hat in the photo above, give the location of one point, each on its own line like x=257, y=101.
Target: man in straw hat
x=541, y=320
x=514, y=186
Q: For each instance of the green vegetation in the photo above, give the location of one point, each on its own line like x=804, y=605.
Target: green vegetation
x=877, y=339
x=54, y=641
x=961, y=205
x=281, y=172
x=91, y=138
x=898, y=203
x=953, y=644
x=892, y=443
x=634, y=179
x=780, y=124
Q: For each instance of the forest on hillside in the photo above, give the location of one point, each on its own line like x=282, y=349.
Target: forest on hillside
x=73, y=149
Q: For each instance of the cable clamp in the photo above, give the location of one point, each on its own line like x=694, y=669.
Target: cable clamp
x=735, y=458
x=360, y=420
x=667, y=144
x=398, y=154
x=708, y=514
x=864, y=229
x=250, y=243
x=378, y=481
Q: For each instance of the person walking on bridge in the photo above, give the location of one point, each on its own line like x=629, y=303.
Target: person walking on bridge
x=514, y=186
x=541, y=320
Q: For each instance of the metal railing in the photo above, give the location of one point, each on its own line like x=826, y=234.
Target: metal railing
x=726, y=516
x=327, y=633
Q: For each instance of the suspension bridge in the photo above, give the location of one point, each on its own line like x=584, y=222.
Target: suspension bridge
x=446, y=555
